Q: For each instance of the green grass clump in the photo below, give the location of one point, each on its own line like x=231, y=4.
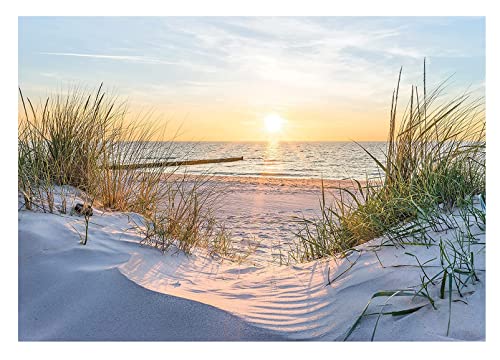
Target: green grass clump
x=433, y=181
x=435, y=157
x=83, y=139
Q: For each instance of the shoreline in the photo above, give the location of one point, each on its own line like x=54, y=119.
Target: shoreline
x=312, y=183
x=265, y=212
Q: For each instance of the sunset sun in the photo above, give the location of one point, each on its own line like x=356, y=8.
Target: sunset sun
x=273, y=123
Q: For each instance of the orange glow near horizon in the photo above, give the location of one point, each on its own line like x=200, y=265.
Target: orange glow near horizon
x=240, y=125
x=253, y=78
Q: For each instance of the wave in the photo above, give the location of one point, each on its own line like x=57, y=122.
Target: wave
x=305, y=160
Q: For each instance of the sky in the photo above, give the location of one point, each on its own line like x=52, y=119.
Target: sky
x=227, y=78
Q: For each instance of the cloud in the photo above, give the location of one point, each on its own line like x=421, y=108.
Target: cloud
x=277, y=61
x=137, y=59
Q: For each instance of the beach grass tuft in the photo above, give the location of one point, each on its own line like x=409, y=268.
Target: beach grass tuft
x=86, y=139
x=435, y=160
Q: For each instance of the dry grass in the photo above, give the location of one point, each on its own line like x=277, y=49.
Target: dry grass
x=83, y=139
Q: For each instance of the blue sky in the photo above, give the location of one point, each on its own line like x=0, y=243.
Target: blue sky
x=323, y=71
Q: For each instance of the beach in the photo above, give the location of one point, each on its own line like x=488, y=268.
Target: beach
x=265, y=211
x=114, y=288
x=251, y=178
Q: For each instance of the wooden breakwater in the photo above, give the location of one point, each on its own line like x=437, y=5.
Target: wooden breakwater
x=173, y=163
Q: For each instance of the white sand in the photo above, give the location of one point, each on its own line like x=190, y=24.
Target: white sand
x=114, y=289
x=73, y=292
x=265, y=210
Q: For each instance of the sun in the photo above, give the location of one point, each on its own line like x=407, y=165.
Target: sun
x=273, y=123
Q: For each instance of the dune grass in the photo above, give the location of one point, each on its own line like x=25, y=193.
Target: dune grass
x=435, y=158
x=433, y=182
x=83, y=139
x=185, y=219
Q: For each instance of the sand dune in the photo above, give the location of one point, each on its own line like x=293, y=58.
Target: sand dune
x=115, y=289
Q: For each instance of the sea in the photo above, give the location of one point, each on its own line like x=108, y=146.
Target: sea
x=327, y=160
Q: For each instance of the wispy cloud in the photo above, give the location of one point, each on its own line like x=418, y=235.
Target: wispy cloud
x=138, y=59
x=266, y=61
x=283, y=61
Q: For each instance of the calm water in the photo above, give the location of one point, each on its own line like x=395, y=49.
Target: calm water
x=330, y=160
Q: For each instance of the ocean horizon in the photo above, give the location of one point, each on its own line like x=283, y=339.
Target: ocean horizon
x=333, y=160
